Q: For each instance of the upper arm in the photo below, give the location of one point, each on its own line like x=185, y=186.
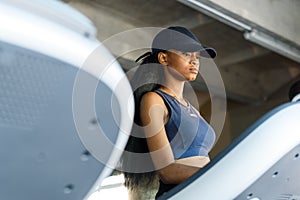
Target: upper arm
x=153, y=111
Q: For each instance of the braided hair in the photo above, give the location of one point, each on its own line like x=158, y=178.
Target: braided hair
x=146, y=78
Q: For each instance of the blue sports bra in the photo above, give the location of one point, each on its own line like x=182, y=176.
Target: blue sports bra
x=188, y=133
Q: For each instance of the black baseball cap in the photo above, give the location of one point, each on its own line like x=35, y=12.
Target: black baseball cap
x=181, y=39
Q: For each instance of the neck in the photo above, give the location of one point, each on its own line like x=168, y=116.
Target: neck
x=173, y=83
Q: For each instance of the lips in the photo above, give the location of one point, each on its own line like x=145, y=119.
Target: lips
x=194, y=70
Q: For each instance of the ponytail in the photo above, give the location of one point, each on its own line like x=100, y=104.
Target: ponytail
x=146, y=78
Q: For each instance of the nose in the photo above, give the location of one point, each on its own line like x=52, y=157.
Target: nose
x=193, y=62
x=194, y=59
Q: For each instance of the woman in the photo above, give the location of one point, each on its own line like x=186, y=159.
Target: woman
x=176, y=135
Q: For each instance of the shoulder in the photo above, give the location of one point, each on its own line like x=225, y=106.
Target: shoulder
x=152, y=108
x=152, y=98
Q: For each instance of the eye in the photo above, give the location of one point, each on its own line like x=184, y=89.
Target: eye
x=187, y=54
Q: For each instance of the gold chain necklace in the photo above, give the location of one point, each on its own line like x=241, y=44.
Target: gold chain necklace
x=173, y=94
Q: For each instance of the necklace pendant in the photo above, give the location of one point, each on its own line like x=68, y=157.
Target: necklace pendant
x=193, y=115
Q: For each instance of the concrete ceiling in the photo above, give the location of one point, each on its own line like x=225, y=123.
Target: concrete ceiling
x=251, y=73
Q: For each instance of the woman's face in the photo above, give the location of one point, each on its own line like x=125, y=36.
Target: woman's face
x=185, y=63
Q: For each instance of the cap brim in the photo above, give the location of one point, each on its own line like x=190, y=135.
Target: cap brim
x=208, y=52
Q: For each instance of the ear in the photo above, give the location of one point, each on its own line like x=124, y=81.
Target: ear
x=162, y=58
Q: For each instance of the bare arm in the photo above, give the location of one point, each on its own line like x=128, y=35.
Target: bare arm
x=153, y=112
